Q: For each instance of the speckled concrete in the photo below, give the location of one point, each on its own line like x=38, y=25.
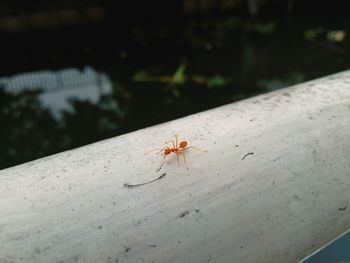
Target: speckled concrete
x=278, y=204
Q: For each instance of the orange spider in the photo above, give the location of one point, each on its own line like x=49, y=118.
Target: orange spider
x=178, y=148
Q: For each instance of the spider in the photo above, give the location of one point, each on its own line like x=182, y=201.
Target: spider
x=178, y=148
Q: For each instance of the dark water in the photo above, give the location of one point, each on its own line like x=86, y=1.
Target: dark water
x=61, y=96
x=337, y=251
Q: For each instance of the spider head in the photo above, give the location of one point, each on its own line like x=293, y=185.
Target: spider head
x=183, y=144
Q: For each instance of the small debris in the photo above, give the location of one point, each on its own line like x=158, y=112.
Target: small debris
x=151, y=245
x=135, y=185
x=160, y=167
x=250, y=153
x=342, y=208
x=127, y=249
x=183, y=214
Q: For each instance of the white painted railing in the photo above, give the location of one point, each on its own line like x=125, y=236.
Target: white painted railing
x=279, y=203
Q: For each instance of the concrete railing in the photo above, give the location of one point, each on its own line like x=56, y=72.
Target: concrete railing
x=273, y=187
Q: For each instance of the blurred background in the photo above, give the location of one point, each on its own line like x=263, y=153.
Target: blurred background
x=76, y=72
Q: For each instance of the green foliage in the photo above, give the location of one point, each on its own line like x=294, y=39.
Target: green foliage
x=265, y=28
x=90, y=122
x=332, y=36
x=28, y=131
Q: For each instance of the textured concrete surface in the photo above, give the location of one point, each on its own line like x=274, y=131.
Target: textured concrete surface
x=288, y=198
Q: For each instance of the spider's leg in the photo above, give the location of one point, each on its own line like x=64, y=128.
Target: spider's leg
x=177, y=158
x=195, y=148
x=156, y=149
x=161, y=165
x=172, y=141
x=184, y=156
